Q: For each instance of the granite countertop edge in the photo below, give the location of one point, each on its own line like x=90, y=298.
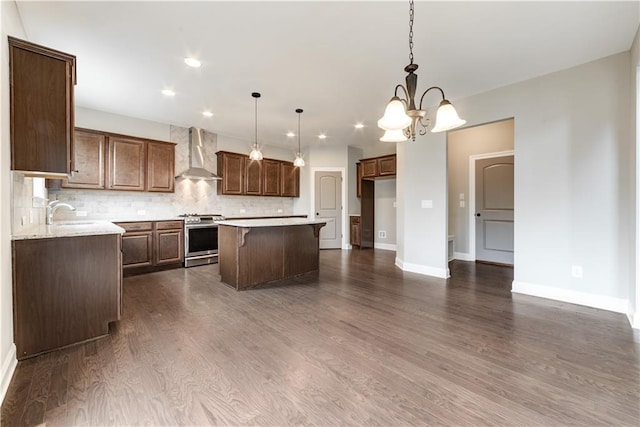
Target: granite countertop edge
x=271, y=222
x=68, y=229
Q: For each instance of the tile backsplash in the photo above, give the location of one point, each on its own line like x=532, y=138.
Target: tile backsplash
x=189, y=196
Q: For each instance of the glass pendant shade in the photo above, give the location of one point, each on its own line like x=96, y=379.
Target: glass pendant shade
x=394, y=136
x=395, y=117
x=255, y=154
x=447, y=118
x=299, y=161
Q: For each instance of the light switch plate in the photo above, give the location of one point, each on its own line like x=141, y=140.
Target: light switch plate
x=142, y=212
x=81, y=213
x=461, y=196
x=576, y=271
x=426, y=204
x=462, y=203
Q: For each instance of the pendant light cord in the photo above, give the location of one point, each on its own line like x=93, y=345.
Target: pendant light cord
x=256, y=139
x=411, y=13
x=299, y=134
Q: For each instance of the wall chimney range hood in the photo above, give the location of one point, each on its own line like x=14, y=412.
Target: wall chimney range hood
x=196, y=168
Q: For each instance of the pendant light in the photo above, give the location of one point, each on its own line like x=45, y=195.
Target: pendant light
x=401, y=116
x=256, y=154
x=299, y=161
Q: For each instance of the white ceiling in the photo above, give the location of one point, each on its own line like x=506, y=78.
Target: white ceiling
x=339, y=61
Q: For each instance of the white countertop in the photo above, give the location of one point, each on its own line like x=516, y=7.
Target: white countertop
x=68, y=229
x=271, y=222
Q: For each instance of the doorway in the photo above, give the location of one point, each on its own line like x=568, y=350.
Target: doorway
x=328, y=206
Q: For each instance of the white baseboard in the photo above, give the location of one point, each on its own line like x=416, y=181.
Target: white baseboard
x=384, y=246
x=9, y=365
x=602, y=302
x=442, y=273
x=347, y=247
x=463, y=256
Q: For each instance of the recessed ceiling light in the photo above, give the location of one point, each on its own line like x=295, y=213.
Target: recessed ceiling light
x=207, y=113
x=192, y=62
x=291, y=134
x=168, y=92
x=358, y=125
x=322, y=136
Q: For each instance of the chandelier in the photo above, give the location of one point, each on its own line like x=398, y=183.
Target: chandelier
x=401, y=117
x=299, y=161
x=256, y=154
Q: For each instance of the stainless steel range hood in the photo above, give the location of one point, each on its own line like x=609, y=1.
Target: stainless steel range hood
x=196, y=168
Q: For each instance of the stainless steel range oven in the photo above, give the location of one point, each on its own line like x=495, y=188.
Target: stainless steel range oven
x=200, y=239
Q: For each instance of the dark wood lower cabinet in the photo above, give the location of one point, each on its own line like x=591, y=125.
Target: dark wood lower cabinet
x=152, y=245
x=66, y=290
x=354, y=230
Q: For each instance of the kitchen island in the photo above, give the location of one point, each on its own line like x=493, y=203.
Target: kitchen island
x=267, y=252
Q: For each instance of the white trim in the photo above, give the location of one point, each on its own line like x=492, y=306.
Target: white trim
x=8, y=368
x=348, y=247
x=385, y=246
x=463, y=256
x=426, y=270
x=343, y=189
x=602, y=302
x=472, y=194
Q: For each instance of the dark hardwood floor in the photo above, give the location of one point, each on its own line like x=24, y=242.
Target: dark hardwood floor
x=366, y=344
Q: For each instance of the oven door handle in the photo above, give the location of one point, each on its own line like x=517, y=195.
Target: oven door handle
x=201, y=226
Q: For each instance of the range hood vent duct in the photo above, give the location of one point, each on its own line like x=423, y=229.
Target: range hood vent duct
x=196, y=168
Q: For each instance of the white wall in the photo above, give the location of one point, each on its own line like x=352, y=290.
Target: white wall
x=422, y=232
x=10, y=24
x=384, y=214
x=572, y=142
x=634, y=286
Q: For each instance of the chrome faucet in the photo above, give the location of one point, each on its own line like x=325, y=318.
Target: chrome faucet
x=52, y=206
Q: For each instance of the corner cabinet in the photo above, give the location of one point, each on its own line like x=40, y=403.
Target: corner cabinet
x=89, y=150
x=374, y=168
x=241, y=176
x=42, y=109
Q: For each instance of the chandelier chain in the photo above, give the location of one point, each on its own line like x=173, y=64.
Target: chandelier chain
x=411, y=13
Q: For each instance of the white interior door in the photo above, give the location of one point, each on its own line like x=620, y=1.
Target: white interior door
x=494, y=210
x=328, y=207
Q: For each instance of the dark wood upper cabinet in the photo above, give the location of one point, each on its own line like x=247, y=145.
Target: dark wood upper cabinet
x=266, y=177
x=89, y=150
x=290, y=180
x=369, y=168
x=231, y=170
x=160, y=167
x=387, y=165
x=252, y=177
x=127, y=161
x=41, y=103
x=270, y=177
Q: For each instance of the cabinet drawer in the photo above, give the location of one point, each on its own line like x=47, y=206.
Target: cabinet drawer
x=169, y=225
x=136, y=226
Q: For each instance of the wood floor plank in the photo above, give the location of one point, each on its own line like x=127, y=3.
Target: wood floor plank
x=365, y=344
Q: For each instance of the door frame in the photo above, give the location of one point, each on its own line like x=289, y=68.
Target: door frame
x=472, y=195
x=312, y=201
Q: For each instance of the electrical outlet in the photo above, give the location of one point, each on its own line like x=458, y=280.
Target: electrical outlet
x=382, y=234
x=279, y=210
x=576, y=271
x=142, y=212
x=426, y=204
x=462, y=203
x=243, y=210
x=23, y=220
x=461, y=196
x=395, y=204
